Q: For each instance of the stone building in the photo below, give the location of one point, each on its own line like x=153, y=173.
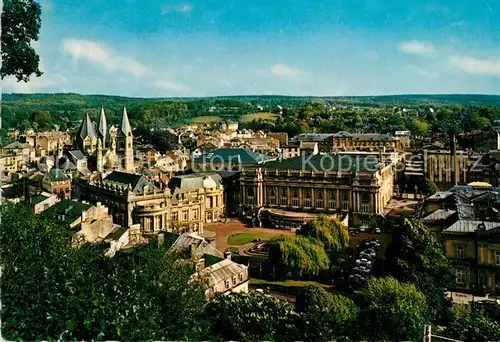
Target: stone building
x=56, y=182
x=47, y=143
x=473, y=247
x=344, y=141
x=104, y=150
x=183, y=205
x=216, y=270
x=358, y=185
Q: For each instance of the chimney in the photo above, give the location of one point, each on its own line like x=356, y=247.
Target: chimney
x=191, y=249
x=227, y=255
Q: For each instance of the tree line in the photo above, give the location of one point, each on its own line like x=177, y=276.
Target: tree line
x=52, y=291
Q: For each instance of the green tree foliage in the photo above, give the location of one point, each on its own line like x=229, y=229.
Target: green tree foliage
x=416, y=256
x=298, y=255
x=42, y=119
x=330, y=231
x=429, y=187
x=50, y=290
x=251, y=317
x=21, y=24
x=325, y=316
x=468, y=325
x=391, y=311
x=420, y=127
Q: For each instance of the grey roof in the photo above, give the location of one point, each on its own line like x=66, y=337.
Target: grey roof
x=125, y=128
x=77, y=155
x=201, y=246
x=136, y=182
x=103, y=126
x=195, y=181
x=221, y=271
x=16, y=145
x=313, y=136
x=440, y=195
x=440, y=214
x=231, y=156
x=470, y=226
x=86, y=128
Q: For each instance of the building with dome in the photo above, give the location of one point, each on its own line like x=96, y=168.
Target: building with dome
x=182, y=205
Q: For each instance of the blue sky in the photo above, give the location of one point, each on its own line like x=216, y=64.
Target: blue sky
x=161, y=48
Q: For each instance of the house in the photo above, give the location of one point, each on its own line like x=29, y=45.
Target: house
x=25, y=150
x=71, y=213
x=215, y=270
x=473, y=247
x=298, y=148
x=56, y=182
x=43, y=201
x=79, y=160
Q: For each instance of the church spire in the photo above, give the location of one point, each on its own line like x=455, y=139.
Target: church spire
x=126, y=130
x=86, y=128
x=102, y=128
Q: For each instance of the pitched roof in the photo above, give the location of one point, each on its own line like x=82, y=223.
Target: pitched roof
x=223, y=270
x=56, y=175
x=137, y=182
x=86, y=128
x=232, y=155
x=195, y=181
x=470, y=226
x=66, y=211
x=16, y=145
x=125, y=128
x=326, y=163
x=440, y=214
x=103, y=126
x=77, y=155
x=201, y=246
x=38, y=199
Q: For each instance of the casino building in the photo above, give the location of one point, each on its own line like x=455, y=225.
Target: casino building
x=358, y=185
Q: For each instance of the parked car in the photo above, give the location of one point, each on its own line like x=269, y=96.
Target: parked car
x=377, y=231
x=366, y=256
x=363, y=228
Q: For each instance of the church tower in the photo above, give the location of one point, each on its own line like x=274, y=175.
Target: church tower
x=86, y=138
x=100, y=163
x=102, y=128
x=125, y=143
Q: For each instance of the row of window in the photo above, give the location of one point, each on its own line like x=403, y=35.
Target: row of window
x=227, y=282
x=195, y=214
x=461, y=254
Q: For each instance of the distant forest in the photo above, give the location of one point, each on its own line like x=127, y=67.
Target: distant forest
x=422, y=114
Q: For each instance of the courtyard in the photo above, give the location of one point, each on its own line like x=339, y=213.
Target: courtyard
x=236, y=235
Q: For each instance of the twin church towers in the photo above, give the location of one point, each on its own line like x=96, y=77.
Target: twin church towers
x=112, y=148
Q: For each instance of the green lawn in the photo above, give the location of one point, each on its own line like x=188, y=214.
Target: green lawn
x=287, y=283
x=244, y=238
x=256, y=116
x=206, y=119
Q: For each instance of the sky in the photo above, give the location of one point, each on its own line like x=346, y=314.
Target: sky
x=162, y=48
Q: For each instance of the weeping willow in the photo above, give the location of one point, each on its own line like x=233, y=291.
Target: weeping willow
x=330, y=231
x=300, y=255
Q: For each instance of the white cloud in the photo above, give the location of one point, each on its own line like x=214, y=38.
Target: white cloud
x=182, y=8
x=285, y=71
x=170, y=86
x=476, y=66
x=36, y=84
x=423, y=72
x=416, y=47
x=100, y=54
